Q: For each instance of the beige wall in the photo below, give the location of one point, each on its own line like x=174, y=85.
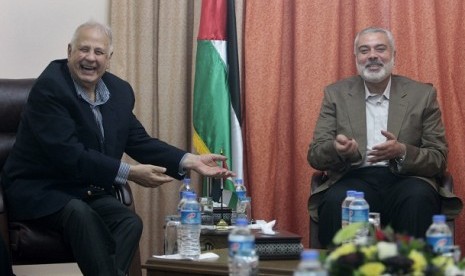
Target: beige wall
x=34, y=32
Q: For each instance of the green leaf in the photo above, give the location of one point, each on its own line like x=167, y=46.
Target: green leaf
x=347, y=233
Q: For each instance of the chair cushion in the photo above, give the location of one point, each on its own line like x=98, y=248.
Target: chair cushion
x=33, y=244
x=6, y=143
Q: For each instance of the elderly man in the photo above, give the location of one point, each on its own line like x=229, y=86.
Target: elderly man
x=381, y=134
x=77, y=124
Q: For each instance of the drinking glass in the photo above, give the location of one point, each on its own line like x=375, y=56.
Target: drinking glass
x=172, y=223
x=375, y=220
x=452, y=251
x=206, y=204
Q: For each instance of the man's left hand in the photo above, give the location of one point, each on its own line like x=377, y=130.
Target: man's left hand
x=388, y=150
x=207, y=165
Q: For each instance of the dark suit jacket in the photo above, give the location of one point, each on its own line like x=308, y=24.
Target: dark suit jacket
x=414, y=118
x=59, y=151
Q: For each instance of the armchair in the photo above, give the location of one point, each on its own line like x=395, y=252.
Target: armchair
x=28, y=243
x=320, y=177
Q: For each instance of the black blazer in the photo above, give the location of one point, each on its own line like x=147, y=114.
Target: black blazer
x=59, y=151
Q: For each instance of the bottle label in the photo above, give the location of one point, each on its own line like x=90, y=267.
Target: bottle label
x=240, y=195
x=358, y=215
x=439, y=242
x=243, y=248
x=190, y=217
x=345, y=214
x=184, y=190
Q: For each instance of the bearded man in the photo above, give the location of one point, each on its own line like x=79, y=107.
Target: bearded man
x=381, y=134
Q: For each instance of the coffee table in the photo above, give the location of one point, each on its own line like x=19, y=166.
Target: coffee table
x=157, y=266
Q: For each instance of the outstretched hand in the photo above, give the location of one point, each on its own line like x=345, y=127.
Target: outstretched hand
x=390, y=149
x=148, y=175
x=207, y=165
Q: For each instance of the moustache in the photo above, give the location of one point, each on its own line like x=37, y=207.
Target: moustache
x=377, y=63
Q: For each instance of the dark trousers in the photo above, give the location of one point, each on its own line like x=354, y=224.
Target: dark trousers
x=407, y=204
x=102, y=233
x=5, y=261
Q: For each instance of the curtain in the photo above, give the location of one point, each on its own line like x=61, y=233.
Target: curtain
x=291, y=49
x=154, y=50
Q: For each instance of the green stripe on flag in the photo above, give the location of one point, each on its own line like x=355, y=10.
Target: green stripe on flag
x=212, y=124
x=211, y=100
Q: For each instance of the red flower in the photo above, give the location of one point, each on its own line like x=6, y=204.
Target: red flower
x=380, y=236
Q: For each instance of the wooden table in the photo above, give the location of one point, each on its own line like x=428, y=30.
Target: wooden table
x=156, y=266
x=213, y=239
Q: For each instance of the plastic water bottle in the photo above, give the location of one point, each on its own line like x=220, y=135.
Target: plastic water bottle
x=243, y=259
x=438, y=234
x=189, y=234
x=359, y=208
x=241, y=193
x=345, y=208
x=244, y=208
x=310, y=264
x=239, y=188
x=359, y=212
x=185, y=187
x=183, y=200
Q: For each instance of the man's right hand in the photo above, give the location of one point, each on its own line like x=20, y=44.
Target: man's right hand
x=345, y=147
x=148, y=175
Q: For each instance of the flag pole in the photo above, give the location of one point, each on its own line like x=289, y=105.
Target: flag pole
x=221, y=186
x=222, y=224
x=209, y=187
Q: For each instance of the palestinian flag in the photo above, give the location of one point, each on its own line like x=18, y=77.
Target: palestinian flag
x=217, y=112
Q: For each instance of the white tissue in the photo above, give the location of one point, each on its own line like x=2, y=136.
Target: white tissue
x=203, y=256
x=266, y=227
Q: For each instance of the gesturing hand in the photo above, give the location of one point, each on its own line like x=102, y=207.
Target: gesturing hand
x=388, y=150
x=344, y=146
x=207, y=165
x=148, y=175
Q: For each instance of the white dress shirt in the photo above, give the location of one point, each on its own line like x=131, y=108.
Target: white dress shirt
x=377, y=108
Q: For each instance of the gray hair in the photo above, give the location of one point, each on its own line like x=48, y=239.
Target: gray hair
x=375, y=30
x=104, y=29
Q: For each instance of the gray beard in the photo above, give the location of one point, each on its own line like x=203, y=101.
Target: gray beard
x=376, y=77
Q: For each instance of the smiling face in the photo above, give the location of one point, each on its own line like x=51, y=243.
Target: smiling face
x=374, y=57
x=89, y=56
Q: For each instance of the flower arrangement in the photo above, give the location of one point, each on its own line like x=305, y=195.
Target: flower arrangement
x=386, y=253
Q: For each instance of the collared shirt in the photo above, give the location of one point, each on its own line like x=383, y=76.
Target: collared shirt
x=377, y=109
x=102, y=94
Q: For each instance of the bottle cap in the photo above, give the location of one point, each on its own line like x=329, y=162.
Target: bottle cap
x=242, y=222
x=439, y=218
x=359, y=194
x=351, y=193
x=186, y=180
x=238, y=181
x=309, y=254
